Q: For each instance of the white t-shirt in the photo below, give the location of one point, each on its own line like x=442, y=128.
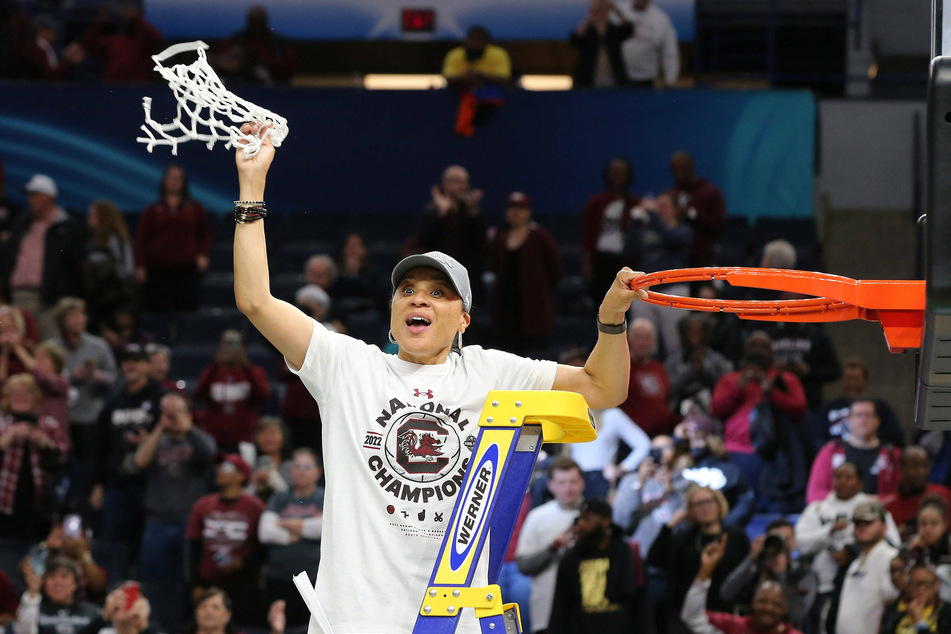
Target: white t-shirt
x=613, y=426
x=397, y=437
x=815, y=539
x=866, y=590
x=653, y=44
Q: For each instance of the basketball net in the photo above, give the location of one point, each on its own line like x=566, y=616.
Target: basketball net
x=206, y=111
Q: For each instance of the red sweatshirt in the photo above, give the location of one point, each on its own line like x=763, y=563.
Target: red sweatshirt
x=169, y=239
x=128, y=54
x=733, y=403
x=234, y=396
x=648, y=395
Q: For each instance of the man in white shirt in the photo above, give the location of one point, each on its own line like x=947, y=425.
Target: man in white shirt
x=547, y=534
x=868, y=585
x=824, y=530
x=652, y=48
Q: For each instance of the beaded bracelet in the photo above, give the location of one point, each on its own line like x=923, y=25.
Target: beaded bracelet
x=248, y=211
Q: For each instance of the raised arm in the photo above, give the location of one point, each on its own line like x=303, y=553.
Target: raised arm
x=603, y=381
x=286, y=327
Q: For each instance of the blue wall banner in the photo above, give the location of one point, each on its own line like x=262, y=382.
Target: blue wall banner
x=382, y=19
x=379, y=152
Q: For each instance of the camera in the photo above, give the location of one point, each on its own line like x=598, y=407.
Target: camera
x=656, y=454
x=774, y=545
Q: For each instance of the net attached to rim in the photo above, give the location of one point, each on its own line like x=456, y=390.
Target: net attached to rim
x=206, y=110
x=898, y=304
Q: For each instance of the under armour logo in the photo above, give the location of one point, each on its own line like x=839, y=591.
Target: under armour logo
x=426, y=393
x=438, y=517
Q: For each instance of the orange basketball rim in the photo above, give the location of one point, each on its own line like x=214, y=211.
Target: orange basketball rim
x=899, y=305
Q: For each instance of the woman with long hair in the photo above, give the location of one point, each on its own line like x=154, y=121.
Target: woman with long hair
x=109, y=268
x=32, y=454
x=171, y=246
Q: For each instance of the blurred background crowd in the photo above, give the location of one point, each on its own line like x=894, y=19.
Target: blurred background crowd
x=160, y=467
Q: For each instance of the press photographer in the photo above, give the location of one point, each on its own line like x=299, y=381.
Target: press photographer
x=771, y=559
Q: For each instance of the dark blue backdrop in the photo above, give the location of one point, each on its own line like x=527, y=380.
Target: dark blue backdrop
x=365, y=151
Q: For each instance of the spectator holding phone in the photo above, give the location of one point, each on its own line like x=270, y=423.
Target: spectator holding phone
x=769, y=607
x=824, y=532
x=273, y=471
x=32, y=456
x=738, y=393
x=126, y=611
x=67, y=538
x=175, y=457
x=50, y=604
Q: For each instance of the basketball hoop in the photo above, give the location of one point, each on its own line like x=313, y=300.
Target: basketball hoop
x=897, y=304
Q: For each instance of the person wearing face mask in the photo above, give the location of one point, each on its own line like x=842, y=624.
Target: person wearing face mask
x=768, y=610
x=596, y=584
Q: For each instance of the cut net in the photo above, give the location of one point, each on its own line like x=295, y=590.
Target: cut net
x=206, y=111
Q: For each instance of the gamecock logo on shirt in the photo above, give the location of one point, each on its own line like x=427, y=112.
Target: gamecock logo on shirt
x=421, y=447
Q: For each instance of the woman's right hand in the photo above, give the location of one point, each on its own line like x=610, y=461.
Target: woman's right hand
x=252, y=171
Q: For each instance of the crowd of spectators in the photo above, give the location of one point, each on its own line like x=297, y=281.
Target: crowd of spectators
x=207, y=507
x=210, y=506
x=619, y=43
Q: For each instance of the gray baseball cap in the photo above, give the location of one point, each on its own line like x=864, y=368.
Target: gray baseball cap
x=457, y=274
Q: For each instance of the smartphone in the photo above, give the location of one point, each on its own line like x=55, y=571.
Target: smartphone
x=73, y=527
x=38, y=561
x=132, y=591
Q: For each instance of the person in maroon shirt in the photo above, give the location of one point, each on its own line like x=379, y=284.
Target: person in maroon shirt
x=527, y=267
x=604, y=223
x=171, y=247
x=706, y=208
x=223, y=541
x=648, y=393
x=235, y=389
x=127, y=47
x=9, y=601
x=903, y=504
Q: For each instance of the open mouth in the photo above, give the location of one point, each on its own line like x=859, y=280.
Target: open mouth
x=417, y=324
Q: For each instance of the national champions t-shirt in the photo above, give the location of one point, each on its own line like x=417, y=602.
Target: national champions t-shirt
x=397, y=439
